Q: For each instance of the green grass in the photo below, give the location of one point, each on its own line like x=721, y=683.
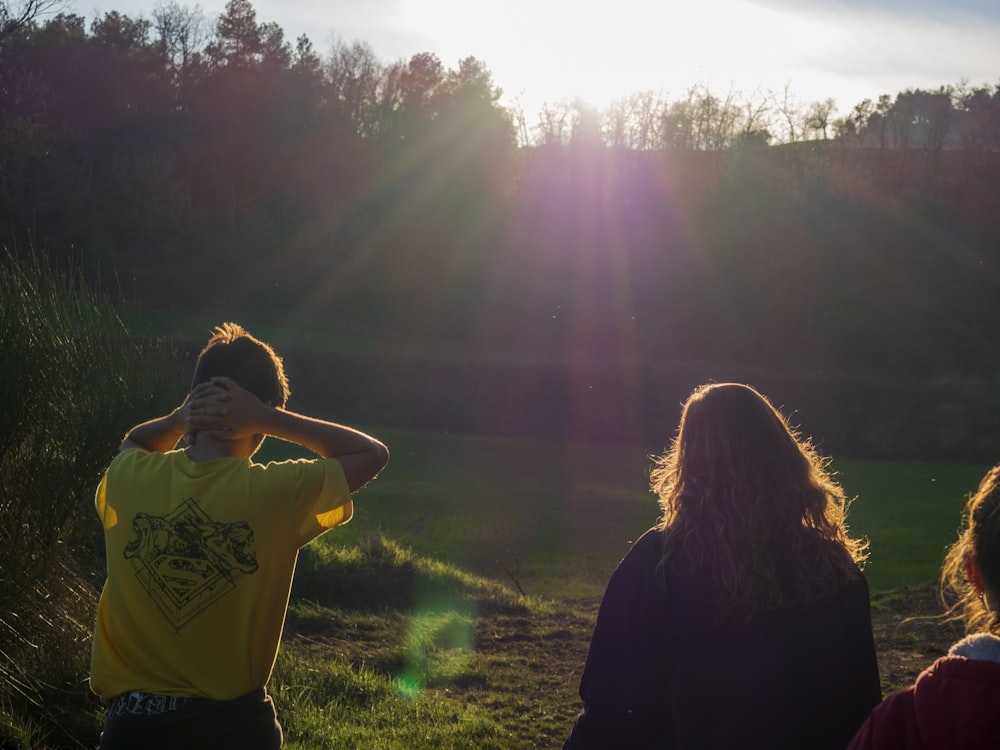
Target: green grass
x=556, y=518
x=416, y=637
x=388, y=647
x=910, y=513
x=328, y=703
x=553, y=518
x=383, y=649
x=396, y=644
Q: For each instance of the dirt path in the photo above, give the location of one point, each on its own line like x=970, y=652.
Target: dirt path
x=907, y=637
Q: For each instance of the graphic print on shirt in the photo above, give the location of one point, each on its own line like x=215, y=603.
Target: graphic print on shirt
x=186, y=561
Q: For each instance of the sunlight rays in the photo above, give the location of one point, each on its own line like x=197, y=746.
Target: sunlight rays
x=560, y=50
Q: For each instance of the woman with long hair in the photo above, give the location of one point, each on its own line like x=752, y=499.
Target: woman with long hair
x=957, y=696
x=742, y=619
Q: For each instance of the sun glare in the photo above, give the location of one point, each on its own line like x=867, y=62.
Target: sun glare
x=556, y=51
x=567, y=50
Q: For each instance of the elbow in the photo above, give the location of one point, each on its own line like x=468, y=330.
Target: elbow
x=381, y=454
x=361, y=468
x=378, y=457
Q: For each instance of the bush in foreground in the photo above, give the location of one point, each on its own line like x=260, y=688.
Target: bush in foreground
x=74, y=379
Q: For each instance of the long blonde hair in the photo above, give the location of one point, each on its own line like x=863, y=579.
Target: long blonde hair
x=979, y=536
x=750, y=506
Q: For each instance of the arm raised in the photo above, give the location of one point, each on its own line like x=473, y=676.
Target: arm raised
x=161, y=434
x=361, y=455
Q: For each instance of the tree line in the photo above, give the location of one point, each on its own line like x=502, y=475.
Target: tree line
x=151, y=123
x=135, y=126
x=217, y=166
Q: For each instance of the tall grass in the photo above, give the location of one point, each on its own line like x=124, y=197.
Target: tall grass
x=73, y=379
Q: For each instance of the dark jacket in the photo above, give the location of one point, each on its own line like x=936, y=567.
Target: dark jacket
x=952, y=704
x=662, y=672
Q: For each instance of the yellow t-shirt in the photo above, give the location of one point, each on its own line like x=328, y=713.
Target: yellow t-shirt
x=200, y=559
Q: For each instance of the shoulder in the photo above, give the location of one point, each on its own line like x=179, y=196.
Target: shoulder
x=650, y=542
x=297, y=467
x=132, y=458
x=129, y=453
x=646, y=551
x=960, y=668
x=306, y=477
x=852, y=591
x=932, y=680
x=633, y=600
x=858, y=583
x=941, y=689
x=635, y=576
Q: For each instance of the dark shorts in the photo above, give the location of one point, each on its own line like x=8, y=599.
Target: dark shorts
x=151, y=722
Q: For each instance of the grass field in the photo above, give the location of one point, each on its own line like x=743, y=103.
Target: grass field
x=389, y=646
x=556, y=518
x=910, y=513
x=565, y=514
x=392, y=640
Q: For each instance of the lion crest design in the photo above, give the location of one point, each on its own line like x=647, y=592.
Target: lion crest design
x=186, y=561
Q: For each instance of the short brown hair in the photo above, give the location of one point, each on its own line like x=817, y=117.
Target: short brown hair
x=233, y=353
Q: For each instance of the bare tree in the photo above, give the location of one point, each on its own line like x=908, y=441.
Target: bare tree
x=791, y=115
x=14, y=16
x=707, y=111
x=755, y=124
x=520, y=120
x=818, y=118
x=617, y=119
x=553, y=124
x=181, y=32
x=358, y=84
x=647, y=107
x=678, y=128
x=702, y=121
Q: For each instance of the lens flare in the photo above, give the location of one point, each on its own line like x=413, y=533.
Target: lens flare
x=439, y=646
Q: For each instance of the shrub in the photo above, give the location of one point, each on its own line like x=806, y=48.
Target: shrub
x=73, y=380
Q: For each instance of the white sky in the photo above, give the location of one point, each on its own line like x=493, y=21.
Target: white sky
x=553, y=50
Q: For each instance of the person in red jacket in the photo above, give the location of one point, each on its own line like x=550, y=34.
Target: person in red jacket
x=953, y=703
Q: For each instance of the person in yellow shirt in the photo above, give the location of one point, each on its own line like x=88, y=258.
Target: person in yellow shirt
x=201, y=544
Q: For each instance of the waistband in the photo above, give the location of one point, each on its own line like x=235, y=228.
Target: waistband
x=138, y=703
